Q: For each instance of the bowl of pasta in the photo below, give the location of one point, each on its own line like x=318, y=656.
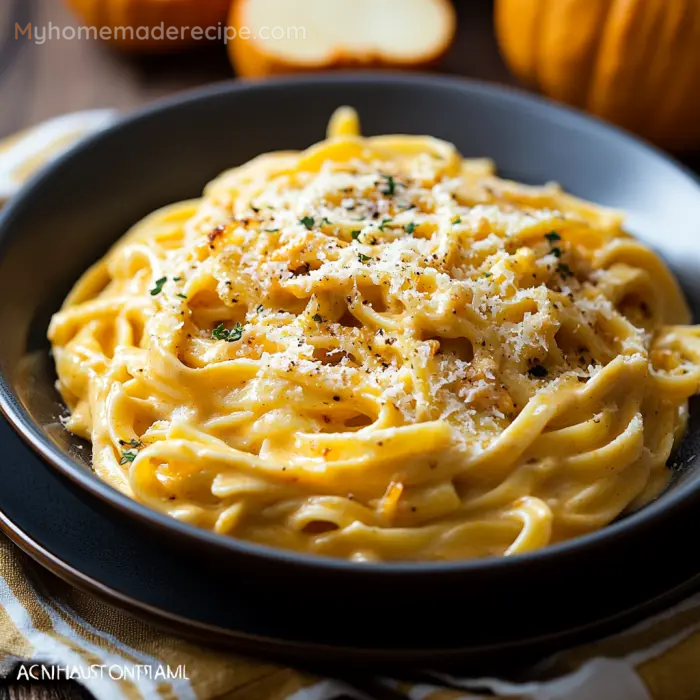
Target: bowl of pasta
x=428, y=333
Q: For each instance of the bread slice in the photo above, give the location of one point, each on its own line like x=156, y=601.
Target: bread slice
x=288, y=36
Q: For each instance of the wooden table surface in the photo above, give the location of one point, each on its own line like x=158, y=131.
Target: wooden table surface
x=41, y=81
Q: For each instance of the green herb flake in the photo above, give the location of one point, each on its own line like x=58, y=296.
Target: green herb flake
x=356, y=235
x=271, y=230
x=556, y=252
x=410, y=228
x=176, y=279
x=326, y=222
x=390, y=189
x=564, y=270
x=129, y=456
x=182, y=296
x=487, y=274
x=221, y=333
x=552, y=236
x=307, y=221
x=260, y=308
x=236, y=333
x=456, y=221
x=318, y=318
x=363, y=258
x=538, y=371
x=159, y=286
x=382, y=226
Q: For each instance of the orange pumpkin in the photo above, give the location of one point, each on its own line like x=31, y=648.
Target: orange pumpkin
x=633, y=62
x=142, y=25
x=289, y=36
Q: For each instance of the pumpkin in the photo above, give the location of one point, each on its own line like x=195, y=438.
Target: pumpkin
x=633, y=62
x=270, y=37
x=142, y=25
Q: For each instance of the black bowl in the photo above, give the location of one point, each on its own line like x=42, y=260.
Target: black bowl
x=73, y=211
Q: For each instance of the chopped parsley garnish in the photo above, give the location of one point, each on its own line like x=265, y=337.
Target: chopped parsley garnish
x=457, y=220
x=363, y=258
x=538, y=371
x=325, y=221
x=132, y=454
x=260, y=308
x=271, y=230
x=307, y=221
x=410, y=228
x=182, y=296
x=552, y=236
x=382, y=226
x=176, y=279
x=356, y=235
x=564, y=270
x=556, y=252
x=221, y=333
x=159, y=286
x=390, y=187
x=487, y=274
x=318, y=318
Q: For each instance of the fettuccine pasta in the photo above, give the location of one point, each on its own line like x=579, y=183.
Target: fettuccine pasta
x=376, y=349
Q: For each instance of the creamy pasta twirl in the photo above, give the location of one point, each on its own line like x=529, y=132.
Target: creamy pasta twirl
x=378, y=350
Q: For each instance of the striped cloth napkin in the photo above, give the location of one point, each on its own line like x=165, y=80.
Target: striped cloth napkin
x=47, y=628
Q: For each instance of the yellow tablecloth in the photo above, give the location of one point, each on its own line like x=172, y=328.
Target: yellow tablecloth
x=45, y=622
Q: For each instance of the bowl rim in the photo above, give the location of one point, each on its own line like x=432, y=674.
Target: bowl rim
x=33, y=435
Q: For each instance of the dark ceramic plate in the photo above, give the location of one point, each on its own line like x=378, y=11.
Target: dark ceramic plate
x=138, y=572
x=72, y=212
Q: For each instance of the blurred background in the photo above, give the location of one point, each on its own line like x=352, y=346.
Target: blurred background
x=633, y=63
